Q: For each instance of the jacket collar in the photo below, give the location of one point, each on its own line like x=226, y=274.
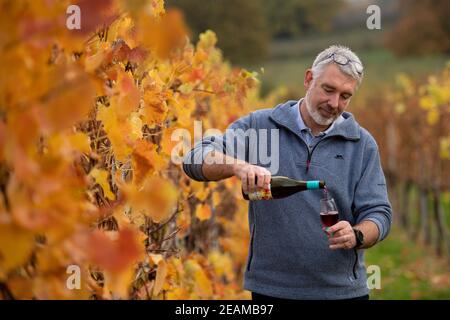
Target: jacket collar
x=347, y=129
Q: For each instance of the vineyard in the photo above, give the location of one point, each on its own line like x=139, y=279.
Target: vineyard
x=90, y=148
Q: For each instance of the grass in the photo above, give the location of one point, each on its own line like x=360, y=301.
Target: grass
x=408, y=270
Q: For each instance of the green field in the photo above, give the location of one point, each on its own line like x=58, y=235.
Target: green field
x=408, y=270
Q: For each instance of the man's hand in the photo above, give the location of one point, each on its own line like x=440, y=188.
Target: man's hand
x=247, y=173
x=341, y=236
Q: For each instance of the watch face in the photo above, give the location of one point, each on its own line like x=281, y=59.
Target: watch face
x=359, y=237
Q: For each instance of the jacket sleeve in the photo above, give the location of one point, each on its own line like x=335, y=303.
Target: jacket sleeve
x=232, y=143
x=371, y=198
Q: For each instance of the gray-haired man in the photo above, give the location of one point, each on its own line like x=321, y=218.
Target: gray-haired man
x=290, y=257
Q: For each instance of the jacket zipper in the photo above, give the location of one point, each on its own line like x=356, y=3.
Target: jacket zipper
x=251, y=248
x=355, y=264
x=310, y=152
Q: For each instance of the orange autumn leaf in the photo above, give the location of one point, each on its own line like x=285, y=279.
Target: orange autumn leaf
x=222, y=263
x=200, y=190
x=184, y=221
x=67, y=102
x=101, y=177
x=161, y=273
x=203, y=212
x=119, y=133
x=156, y=198
x=128, y=97
x=162, y=35
x=168, y=141
x=19, y=287
x=145, y=161
x=54, y=286
x=68, y=145
x=117, y=285
x=155, y=107
x=216, y=199
x=102, y=56
x=16, y=245
x=203, y=286
x=116, y=256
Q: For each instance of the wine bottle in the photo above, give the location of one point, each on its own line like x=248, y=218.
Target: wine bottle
x=282, y=187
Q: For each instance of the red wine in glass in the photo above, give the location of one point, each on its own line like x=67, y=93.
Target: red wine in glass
x=329, y=214
x=329, y=218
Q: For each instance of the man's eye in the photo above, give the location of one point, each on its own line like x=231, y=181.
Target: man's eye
x=328, y=90
x=345, y=97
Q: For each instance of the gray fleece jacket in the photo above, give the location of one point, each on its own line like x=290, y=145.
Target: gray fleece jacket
x=289, y=255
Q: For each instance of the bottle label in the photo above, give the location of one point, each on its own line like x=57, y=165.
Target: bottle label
x=263, y=194
x=312, y=184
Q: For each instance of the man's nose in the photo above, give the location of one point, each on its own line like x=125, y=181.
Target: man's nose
x=334, y=101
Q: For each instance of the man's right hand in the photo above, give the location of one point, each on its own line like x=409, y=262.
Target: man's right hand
x=248, y=173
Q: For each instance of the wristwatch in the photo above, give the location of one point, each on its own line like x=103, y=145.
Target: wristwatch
x=359, y=238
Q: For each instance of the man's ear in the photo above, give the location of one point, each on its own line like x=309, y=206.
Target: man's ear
x=308, y=79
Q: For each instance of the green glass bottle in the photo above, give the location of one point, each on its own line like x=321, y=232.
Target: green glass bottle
x=282, y=187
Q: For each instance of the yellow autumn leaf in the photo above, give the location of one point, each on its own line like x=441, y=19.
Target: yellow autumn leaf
x=155, y=108
x=118, y=284
x=145, y=161
x=80, y=141
x=203, y=212
x=203, y=287
x=444, y=148
x=127, y=99
x=136, y=126
x=95, y=60
x=216, y=199
x=184, y=221
x=161, y=273
x=222, y=263
x=203, y=284
x=15, y=247
x=101, y=177
x=201, y=192
x=207, y=40
x=186, y=88
x=405, y=83
x=173, y=141
x=156, y=198
x=432, y=116
x=65, y=145
x=118, y=133
x=427, y=103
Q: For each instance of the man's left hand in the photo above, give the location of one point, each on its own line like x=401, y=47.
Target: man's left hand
x=341, y=236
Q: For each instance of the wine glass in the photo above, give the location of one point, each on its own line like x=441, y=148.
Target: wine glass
x=329, y=214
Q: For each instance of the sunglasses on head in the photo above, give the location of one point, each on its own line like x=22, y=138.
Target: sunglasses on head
x=339, y=59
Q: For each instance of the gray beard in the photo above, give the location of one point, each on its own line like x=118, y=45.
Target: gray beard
x=315, y=115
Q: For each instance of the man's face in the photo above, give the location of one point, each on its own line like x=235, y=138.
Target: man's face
x=328, y=95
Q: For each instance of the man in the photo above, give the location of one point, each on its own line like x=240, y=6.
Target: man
x=290, y=255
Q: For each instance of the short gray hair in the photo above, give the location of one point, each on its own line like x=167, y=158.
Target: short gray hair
x=353, y=67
